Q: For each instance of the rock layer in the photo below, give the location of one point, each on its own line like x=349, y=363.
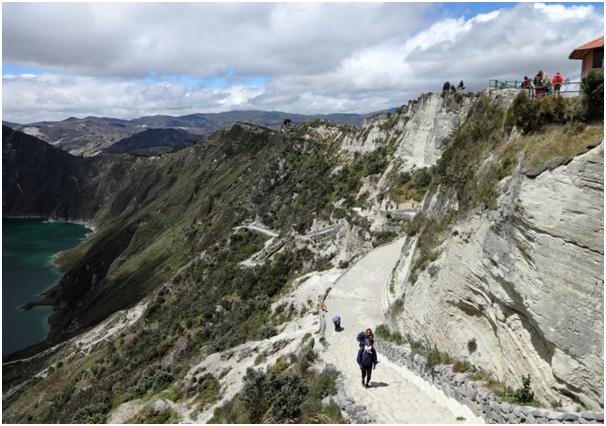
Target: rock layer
x=525, y=281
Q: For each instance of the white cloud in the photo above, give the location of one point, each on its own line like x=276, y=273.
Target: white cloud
x=316, y=58
x=55, y=97
x=131, y=40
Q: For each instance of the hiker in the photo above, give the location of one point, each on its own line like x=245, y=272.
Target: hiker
x=367, y=360
x=461, y=85
x=527, y=85
x=365, y=335
x=538, y=85
x=337, y=322
x=546, y=84
x=557, y=80
x=322, y=304
x=446, y=88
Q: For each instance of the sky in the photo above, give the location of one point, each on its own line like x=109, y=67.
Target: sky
x=127, y=60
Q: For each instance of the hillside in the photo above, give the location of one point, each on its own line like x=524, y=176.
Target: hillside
x=208, y=260
x=153, y=141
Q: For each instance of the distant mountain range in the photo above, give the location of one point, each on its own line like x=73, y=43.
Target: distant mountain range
x=92, y=136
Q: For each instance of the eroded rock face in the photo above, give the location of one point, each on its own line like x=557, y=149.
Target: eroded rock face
x=428, y=122
x=418, y=129
x=526, y=281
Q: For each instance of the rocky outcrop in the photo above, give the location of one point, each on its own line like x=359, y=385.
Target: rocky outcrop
x=418, y=129
x=429, y=121
x=525, y=281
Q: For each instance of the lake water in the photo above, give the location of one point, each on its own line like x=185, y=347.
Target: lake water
x=28, y=246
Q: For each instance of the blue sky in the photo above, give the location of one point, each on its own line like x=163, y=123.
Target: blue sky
x=178, y=58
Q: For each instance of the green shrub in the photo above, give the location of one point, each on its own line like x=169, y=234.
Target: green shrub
x=435, y=357
x=463, y=366
x=93, y=413
x=323, y=385
x=265, y=331
x=343, y=264
x=155, y=378
x=416, y=225
x=397, y=307
x=472, y=345
x=207, y=389
x=593, y=88
x=531, y=115
x=331, y=414
x=382, y=332
x=260, y=358
x=272, y=397
x=410, y=185
x=149, y=416
x=305, y=358
x=286, y=391
x=574, y=128
x=522, y=395
x=383, y=237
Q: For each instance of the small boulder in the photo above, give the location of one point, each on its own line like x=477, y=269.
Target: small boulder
x=160, y=406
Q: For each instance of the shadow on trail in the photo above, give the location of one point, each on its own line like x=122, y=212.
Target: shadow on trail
x=378, y=384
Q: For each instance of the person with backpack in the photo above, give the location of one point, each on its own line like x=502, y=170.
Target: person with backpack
x=367, y=360
x=546, y=84
x=538, y=85
x=365, y=335
x=557, y=80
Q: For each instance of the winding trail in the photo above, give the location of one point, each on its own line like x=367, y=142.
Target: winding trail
x=397, y=395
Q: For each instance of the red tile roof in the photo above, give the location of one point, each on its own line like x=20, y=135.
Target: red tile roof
x=580, y=51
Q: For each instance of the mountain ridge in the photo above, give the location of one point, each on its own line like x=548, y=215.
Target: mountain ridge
x=90, y=136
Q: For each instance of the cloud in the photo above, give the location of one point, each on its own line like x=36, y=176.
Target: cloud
x=131, y=40
x=305, y=58
x=60, y=96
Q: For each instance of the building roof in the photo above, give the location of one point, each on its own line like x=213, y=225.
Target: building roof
x=580, y=51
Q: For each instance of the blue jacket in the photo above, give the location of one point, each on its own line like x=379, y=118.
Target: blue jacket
x=367, y=361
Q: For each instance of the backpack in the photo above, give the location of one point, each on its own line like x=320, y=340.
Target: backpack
x=361, y=338
x=366, y=358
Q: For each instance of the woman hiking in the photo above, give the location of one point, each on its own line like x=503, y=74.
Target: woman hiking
x=365, y=335
x=367, y=360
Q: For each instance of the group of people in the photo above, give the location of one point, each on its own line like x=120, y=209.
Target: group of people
x=543, y=85
x=451, y=88
x=367, y=355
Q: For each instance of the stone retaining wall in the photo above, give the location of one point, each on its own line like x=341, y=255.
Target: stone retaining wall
x=349, y=409
x=482, y=401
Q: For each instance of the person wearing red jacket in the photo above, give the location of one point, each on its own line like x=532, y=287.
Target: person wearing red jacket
x=556, y=81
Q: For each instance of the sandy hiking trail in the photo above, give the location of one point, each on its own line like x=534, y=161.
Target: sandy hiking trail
x=396, y=394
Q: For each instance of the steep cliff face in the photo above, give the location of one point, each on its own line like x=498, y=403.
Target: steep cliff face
x=417, y=129
x=412, y=137
x=525, y=281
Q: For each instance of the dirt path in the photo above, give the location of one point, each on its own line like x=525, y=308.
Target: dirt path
x=397, y=395
x=262, y=230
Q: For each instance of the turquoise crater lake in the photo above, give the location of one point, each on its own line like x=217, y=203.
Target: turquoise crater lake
x=28, y=247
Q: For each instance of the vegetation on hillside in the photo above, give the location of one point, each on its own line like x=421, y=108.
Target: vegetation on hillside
x=291, y=391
